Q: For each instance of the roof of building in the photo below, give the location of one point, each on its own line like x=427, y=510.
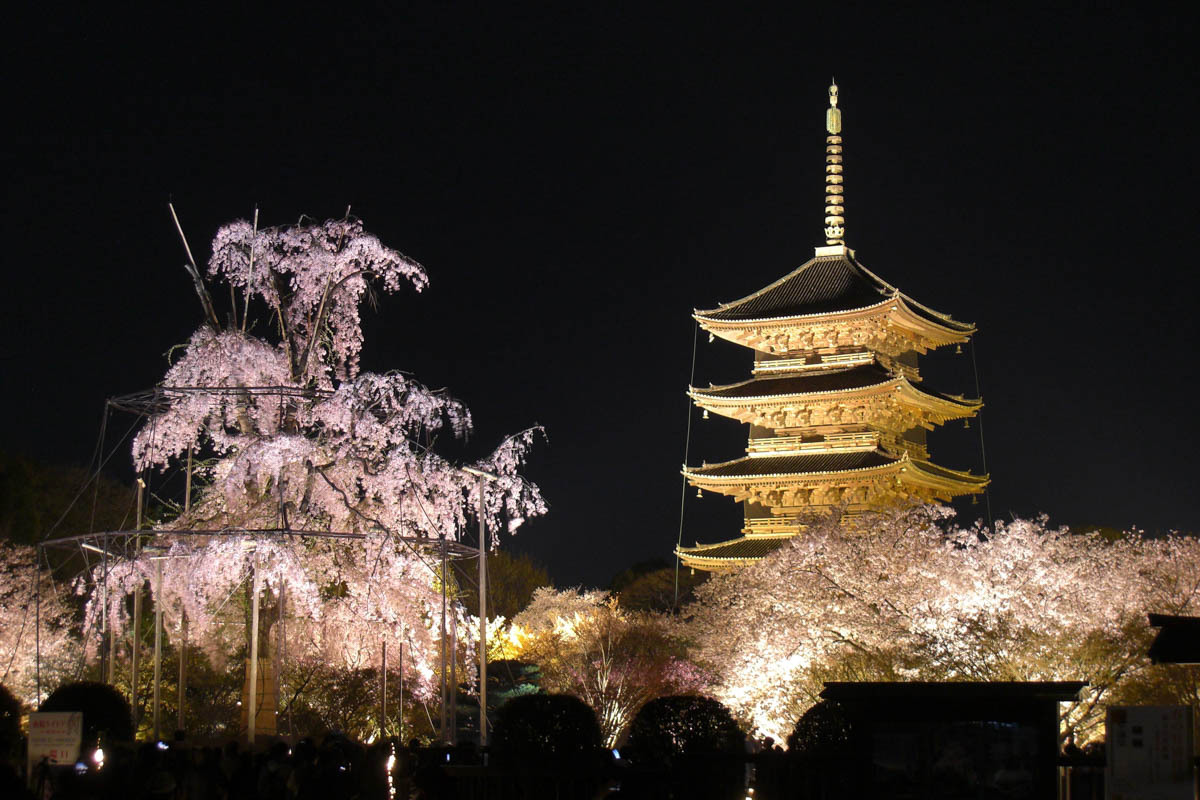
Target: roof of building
x=859, y=377
x=735, y=549
x=797, y=464
x=822, y=285
x=957, y=691
x=1177, y=641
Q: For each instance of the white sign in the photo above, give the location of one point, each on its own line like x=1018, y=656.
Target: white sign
x=55, y=736
x=1149, y=753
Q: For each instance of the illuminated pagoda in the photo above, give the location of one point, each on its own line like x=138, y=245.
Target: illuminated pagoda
x=836, y=408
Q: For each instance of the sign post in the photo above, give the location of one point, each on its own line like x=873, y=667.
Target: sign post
x=1149, y=753
x=54, y=736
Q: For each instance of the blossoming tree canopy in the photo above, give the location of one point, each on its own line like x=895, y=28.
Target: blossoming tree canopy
x=23, y=586
x=614, y=660
x=295, y=426
x=907, y=595
x=285, y=435
x=313, y=278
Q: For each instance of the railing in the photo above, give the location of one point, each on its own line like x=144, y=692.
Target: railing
x=803, y=364
x=794, y=444
x=839, y=360
x=768, y=525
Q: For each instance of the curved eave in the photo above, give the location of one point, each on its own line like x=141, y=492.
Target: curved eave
x=948, y=321
x=952, y=481
x=757, y=322
x=734, y=480
x=716, y=564
x=708, y=557
x=951, y=331
x=948, y=407
x=899, y=310
x=920, y=473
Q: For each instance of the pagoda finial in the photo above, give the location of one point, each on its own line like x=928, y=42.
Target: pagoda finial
x=835, y=221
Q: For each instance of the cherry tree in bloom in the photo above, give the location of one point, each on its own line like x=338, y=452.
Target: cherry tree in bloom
x=292, y=440
x=906, y=595
x=614, y=660
x=20, y=583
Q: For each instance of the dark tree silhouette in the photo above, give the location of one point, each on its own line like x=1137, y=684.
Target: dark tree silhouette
x=545, y=727
x=10, y=725
x=684, y=725
x=823, y=730
x=685, y=746
x=105, y=711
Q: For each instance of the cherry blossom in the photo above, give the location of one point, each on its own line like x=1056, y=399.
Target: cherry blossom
x=907, y=595
x=21, y=639
x=309, y=472
x=614, y=660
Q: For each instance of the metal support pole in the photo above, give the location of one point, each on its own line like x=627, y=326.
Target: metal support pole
x=252, y=694
x=277, y=657
x=187, y=488
x=105, y=640
x=283, y=652
x=400, y=729
x=442, y=719
x=482, y=621
x=37, y=625
x=183, y=649
x=453, y=678
x=158, y=577
x=383, y=693
x=135, y=656
x=112, y=652
x=135, y=634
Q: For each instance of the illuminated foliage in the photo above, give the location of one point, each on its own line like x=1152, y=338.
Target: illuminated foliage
x=20, y=583
x=657, y=589
x=614, y=660
x=290, y=440
x=907, y=595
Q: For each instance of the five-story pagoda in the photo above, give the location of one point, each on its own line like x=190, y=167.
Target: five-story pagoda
x=835, y=405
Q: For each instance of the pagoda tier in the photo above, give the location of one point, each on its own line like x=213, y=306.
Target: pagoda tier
x=862, y=397
x=736, y=553
x=796, y=483
x=835, y=404
x=830, y=305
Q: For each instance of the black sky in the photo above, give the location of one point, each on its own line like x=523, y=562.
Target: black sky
x=577, y=181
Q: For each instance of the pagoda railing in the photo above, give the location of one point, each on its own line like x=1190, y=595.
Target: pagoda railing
x=774, y=365
x=771, y=525
x=794, y=444
x=858, y=358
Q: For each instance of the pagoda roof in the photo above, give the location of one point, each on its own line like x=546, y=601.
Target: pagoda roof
x=736, y=549
x=763, y=466
x=825, y=284
x=755, y=467
x=839, y=380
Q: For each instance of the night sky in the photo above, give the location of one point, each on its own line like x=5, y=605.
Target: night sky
x=577, y=181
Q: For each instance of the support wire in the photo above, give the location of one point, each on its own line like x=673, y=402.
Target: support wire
x=687, y=444
x=987, y=494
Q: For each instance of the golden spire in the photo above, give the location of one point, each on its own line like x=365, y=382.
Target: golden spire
x=835, y=222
